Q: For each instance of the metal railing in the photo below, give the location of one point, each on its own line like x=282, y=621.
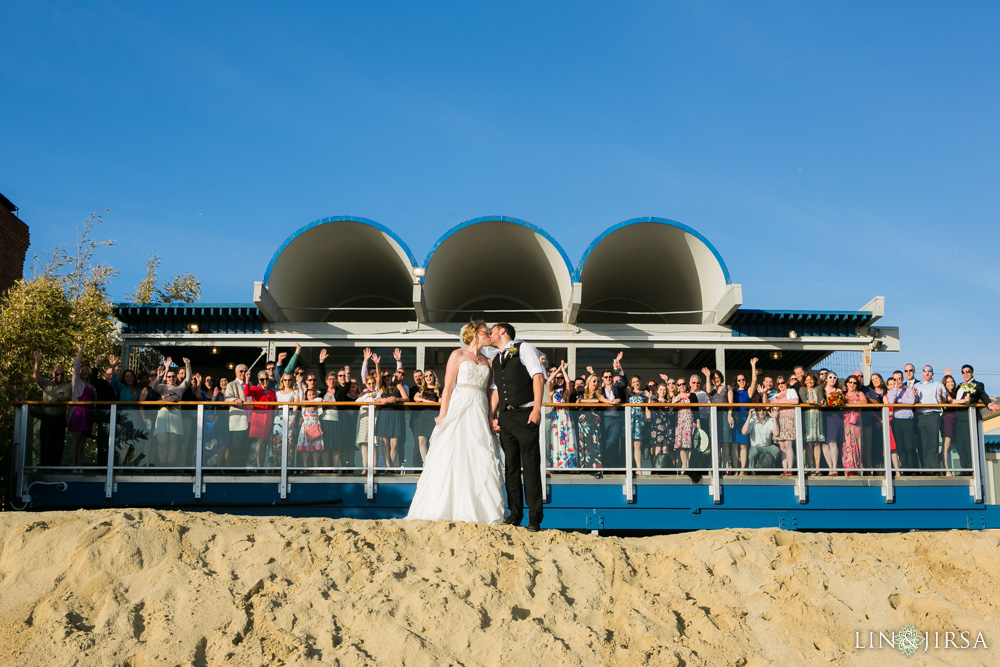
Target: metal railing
x=116, y=449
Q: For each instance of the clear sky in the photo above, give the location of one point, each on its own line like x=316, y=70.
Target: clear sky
x=831, y=151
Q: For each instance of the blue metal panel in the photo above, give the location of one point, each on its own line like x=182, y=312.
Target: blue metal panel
x=582, y=505
x=664, y=221
x=343, y=218
x=501, y=218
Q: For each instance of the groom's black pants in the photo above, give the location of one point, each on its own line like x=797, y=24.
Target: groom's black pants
x=519, y=441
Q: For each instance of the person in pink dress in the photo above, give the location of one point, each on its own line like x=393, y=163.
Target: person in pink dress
x=852, y=453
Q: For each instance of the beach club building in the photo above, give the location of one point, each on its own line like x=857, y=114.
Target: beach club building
x=651, y=287
x=654, y=289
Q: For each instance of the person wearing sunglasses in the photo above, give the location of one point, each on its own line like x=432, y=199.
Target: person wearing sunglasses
x=852, y=452
x=970, y=392
x=588, y=427
x=52, y=419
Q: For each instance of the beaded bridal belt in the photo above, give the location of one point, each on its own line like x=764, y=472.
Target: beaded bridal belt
x=469, y=385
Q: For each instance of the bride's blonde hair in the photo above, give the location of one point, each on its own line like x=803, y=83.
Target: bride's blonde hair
x=470, y=330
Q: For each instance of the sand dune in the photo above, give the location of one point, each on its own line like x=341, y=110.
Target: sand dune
x=143, y=587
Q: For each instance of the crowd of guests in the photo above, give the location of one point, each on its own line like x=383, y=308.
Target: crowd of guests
x=839, y=435
x=250, y=431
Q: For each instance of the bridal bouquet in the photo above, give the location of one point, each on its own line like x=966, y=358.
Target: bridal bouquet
x=968, y=389
x=835, y=400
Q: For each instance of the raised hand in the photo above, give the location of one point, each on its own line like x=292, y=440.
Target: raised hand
x=762, y=392
x=298, y=348
x=397, y=354
x=705, y=371
x=368, y=353
x=664, y=377
x=38, y=356
x=281, y=358
x=753, y=363
x=113, y=360
x=618, y=359
x=187, y=362
x=323, y=354
x=590, y=369
x=375, y=358
x=79, y=348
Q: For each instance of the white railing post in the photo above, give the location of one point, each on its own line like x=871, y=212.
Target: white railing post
x=542, y=431
x=283, y=481
x=976, y=441
x=370, y=463
x=629, y=488
x=713, y=428
x=20, y=447
x=888, y=490
x=800, y=456
x=109, y=481
x=199, y=450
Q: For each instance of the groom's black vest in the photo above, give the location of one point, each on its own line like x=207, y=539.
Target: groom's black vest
x=513, y=383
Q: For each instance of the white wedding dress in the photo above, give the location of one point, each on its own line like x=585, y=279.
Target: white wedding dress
x=461, y=477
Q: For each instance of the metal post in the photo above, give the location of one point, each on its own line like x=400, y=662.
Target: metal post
x=800, y=456
x=542, y=431
x=19, y=448
x=629, y=479
x=199, y=451
x=713, y=428
x=109, y=482
x=283, y=481
x=888, y=490
x=975, y=437
x=370, y=463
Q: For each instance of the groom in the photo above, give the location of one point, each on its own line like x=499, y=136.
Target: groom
x=515, y=411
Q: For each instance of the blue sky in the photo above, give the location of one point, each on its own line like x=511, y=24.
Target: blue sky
x=830, y=151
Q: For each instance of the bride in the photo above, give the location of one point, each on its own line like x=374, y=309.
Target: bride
x=461, y=477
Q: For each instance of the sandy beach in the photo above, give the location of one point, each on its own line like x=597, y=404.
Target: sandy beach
x=144, y=587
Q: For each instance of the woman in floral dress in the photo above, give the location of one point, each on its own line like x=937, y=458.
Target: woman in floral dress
x=786, y=423
x=311, y=450
x=661, y=427
x=588, y=427
x=852, y=453
x=562, y=439
x=637, y=395
x=685, y=423
x=813, y=423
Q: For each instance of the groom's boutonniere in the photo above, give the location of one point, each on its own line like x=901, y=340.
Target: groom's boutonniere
x=512, y=352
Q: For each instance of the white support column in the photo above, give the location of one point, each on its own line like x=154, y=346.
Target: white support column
x=283, y=482
x=109, y=481
x=542, y=431
x=888, y=490
x=199, y=451
x=976, y=440
x=720, y=360
x=421, y=358
x=370, y=463
x=629, y=478
x=716, y=487
x=571, y=362
x=800, y=456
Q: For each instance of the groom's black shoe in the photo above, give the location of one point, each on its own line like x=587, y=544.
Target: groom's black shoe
x=511, y=521
x=533, y=528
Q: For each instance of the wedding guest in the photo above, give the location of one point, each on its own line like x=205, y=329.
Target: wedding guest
x=903, y=430
x=684, y=430
x=221, y=423
x=852, y=451
x=562, y=435
x=389, y=420
x=80, y=417
x=970, y=392
x=369, y=395
x=261, y=416
x=874, y=443
x=813, y=422
x=742, y=393
x=948, y=420
x=310, y=443
x=52, y=418
x=169, y=423
x=286, y=393
x=239, y=424
x=330, y=419
x=662, y=422
x=762, y=431
x=638, y=417
x=929, y=391
x=786, y=423
x=588, y=428
x=719, y=392
x=429, y=391
x=834, y=426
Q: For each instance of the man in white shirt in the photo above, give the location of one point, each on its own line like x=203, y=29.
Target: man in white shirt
x=929, y=391
x=762, y=430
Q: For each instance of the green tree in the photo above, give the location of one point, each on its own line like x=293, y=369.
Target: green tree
x=182, y=288
x=64, y=301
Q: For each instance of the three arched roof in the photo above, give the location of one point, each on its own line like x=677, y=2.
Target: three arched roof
x=355, y=269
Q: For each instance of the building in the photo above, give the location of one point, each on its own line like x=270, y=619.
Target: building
x=347, y=283
x=14, y=241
